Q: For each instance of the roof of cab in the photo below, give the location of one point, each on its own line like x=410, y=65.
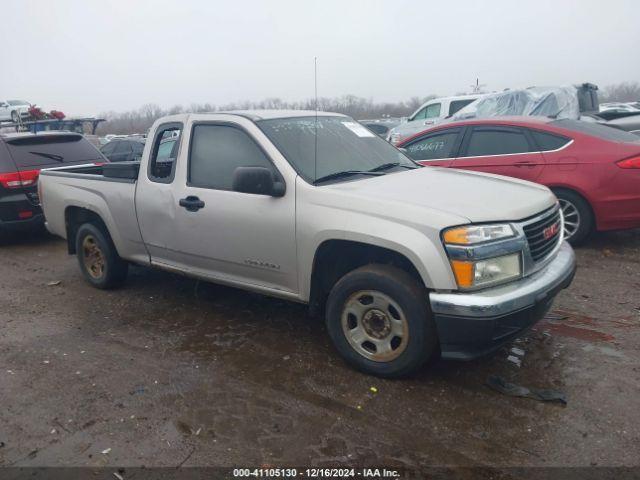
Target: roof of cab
x=256, y=115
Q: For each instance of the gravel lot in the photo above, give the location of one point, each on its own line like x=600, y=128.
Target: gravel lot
x=169, y=371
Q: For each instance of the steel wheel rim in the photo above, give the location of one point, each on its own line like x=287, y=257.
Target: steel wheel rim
x=92, y=257
x=571, y=217
x=375, y=326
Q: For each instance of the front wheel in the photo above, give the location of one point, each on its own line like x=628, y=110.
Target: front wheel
x=379, y=320
x=98, y=259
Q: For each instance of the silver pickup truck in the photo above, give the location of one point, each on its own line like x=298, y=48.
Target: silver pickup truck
x=405, y=262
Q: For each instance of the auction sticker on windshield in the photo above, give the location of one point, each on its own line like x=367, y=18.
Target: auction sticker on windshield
x=358, y=129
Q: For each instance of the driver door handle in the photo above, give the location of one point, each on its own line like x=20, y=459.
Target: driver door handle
x=191, y=203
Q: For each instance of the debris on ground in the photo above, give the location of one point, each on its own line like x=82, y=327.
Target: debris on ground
x=106, y=451
x=555, y=316
x=515, y=360
x=517, y=351
x=54, y=283
x=499, y=384
x=373, y=390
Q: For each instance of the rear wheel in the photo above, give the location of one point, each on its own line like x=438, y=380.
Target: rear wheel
x=98, y=259
x=578, y=219
x=379, y=321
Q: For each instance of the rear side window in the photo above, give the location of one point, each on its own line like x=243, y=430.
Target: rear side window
x=497, y=142
x=122, y=148
x=433, y=147
x=216, y=152
x=596, y=130
x=108, y=148
x=458, y=105
x=137, y=147
x=45, y=151
x=162, y=163
x=548, y=141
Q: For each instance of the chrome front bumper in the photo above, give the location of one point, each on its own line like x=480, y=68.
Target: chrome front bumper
x=505, y=299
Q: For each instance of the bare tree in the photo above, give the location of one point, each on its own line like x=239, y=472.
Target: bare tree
x=621, y=92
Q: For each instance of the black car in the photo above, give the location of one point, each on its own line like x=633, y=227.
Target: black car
x=123, y=149
x=22, y=156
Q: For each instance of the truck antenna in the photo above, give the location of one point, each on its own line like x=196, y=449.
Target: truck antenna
x=315, y=147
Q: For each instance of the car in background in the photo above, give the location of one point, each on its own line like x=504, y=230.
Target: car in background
x=22, y=156
x=593, y=169
x=430, y=113
x=381, y=126
x=123, y=149
x=618, y=107
x=13, y=110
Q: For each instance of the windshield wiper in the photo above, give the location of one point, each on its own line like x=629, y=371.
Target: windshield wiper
x=52, y=156
x=387, y=166
x=346, y=173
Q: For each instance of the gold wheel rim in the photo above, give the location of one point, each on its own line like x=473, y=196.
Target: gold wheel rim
x=92, y=257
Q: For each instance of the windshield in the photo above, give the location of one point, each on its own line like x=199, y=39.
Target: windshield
x=342, y=145
x=17, y=102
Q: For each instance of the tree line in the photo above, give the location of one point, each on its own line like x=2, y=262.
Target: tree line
x=140, y=120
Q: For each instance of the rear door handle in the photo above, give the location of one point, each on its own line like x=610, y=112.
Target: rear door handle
x=191, y=203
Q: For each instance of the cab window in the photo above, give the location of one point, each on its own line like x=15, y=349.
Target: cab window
x=432, y=111
x=162, y=162
x=217, y=151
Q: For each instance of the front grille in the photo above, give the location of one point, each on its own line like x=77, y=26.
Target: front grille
x=543, y=234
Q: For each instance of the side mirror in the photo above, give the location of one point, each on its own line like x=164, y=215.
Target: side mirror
x=258, y=180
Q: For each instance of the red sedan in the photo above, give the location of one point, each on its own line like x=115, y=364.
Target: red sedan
x=594, y=170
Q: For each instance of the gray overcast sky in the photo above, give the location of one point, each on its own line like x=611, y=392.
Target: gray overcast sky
x=86, y=57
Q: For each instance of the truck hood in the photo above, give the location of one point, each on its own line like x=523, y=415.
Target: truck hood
x=474, y=196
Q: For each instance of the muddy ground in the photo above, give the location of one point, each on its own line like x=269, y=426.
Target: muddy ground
x=169, y=371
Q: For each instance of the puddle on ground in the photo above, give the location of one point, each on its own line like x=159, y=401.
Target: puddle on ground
x=573, y=325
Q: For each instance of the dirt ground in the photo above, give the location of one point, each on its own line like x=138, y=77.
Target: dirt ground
x=168, y=371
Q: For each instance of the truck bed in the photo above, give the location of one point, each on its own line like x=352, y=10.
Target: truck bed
x=100, y=189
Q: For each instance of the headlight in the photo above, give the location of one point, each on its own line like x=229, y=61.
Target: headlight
x=478, y=258
x=473, y=234
x=489, y=271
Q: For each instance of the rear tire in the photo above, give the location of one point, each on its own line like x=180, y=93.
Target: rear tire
x=98, y=259
x=379, y=320
x=578, y=217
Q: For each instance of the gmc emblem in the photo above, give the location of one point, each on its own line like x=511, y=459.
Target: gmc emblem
x=550, y=231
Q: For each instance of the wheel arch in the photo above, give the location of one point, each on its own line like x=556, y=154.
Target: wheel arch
x=336, y=257
x=74, y=217
x=581, y=194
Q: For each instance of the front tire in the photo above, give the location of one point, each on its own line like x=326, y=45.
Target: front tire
x=379, y=320
x=578, y=219
x=98, y=259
